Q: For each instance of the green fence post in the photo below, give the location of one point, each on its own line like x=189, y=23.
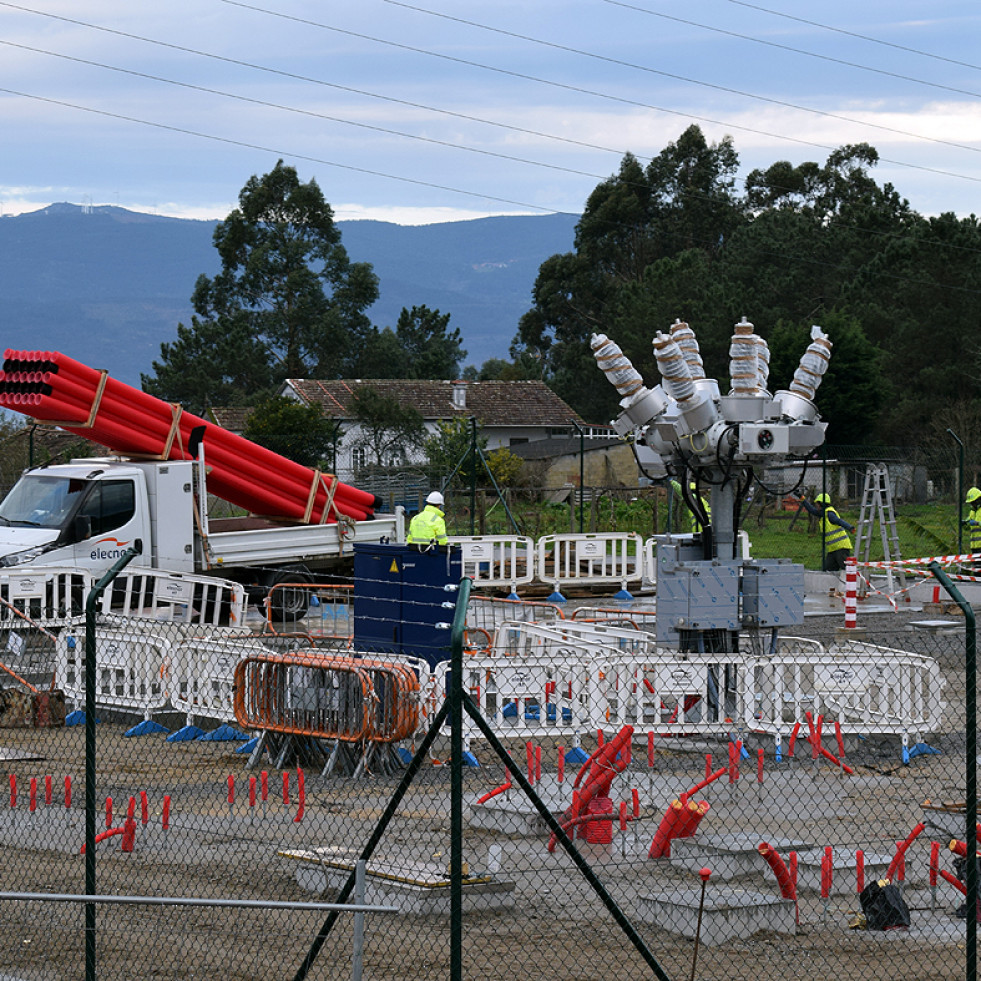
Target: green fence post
x=970, y=766
x=455, y=696
x=90, y=682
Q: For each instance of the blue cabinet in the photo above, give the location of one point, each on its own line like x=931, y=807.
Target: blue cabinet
x=399, y=598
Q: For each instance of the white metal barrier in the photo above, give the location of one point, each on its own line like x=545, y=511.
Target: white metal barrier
x=866, y=688
x=132, y=668
x=566, y=678
x=589, y=559
x=176, y=597
x=669, y=694
x=44, y=597
x=623, y=616
x=201, y=674
x=486, y=613
x=497, y=560
x=526, y=697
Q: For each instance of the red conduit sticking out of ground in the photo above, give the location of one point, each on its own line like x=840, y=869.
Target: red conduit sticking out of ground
x=901, y=847
x=681, y=820
x=51, y=386
x=607, y=761
x=776, y=863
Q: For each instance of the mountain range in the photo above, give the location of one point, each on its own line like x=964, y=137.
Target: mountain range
x=108, y=286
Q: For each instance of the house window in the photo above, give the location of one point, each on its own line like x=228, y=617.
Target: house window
x=358, y=458
x=517, y=440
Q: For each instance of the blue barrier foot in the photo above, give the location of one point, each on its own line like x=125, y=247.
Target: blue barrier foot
x=623, y=594
x=249, y=746
x=920, y=749
x=405, y=755
x=510, y=711
x=576, y=756
x=556, y=597
x=76, y=718
x=146, y=727
x=470, y=760
x=514, y=596
x=185, y=734
x=223, y=734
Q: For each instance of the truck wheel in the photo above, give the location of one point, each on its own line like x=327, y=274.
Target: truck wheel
x=288, y=603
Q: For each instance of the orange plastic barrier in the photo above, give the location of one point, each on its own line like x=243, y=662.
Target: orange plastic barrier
x=327, y=696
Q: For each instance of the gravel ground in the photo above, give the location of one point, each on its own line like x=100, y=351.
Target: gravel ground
x=557, y=928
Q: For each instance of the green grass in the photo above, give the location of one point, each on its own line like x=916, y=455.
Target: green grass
x=922, y=530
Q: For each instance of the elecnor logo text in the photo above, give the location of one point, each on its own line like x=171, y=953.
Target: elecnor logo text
x=107, y=548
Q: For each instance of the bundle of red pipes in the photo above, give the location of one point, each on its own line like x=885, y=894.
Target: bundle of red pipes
x=55, y=388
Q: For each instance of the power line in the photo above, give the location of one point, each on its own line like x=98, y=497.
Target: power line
x=807, y=260
x=579, y=89
x=303, y=112
x=560, y=85
x=679, y=78
x=279, y=153
x=861, y=37
x=272, y=105
x=323, y=82
x=791, y=49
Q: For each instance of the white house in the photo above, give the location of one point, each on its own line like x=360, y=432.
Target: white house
x=508, y=413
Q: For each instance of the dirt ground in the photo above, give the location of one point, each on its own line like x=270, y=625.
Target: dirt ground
x=556, y=928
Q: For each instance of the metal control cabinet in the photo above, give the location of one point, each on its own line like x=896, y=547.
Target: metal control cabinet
x=401, y=604
x=773, y=594
x=694, y=595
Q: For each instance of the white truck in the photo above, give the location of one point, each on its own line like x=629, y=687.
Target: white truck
x=86, y=513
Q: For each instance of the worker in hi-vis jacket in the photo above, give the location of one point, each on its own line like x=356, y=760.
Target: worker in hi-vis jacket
x=834, y=529
x=428, y=525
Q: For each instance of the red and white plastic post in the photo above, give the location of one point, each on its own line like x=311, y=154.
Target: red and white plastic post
x=851, y=592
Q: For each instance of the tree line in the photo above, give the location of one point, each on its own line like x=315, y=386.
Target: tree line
x=799, y=245
x=676, y=239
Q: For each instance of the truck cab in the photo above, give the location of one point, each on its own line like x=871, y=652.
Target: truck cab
x=86, y=513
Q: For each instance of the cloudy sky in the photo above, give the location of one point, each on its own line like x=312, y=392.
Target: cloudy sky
x=443, y=109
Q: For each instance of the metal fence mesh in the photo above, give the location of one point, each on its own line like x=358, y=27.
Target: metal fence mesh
x=193, y=802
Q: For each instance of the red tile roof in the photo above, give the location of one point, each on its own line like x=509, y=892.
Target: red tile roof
x=493, y=403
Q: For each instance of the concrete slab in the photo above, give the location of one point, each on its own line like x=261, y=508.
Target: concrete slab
x=728, y=913
x=512, y=813
x=844, y=870
x=730, y=856
x=416, y=888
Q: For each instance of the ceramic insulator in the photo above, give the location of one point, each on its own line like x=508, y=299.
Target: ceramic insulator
x=673, y=367
x=685, y=338
x=813, y=365
x=744, y=373
x=616, y=365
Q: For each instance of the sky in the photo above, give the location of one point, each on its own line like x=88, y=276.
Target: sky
x=440, y=110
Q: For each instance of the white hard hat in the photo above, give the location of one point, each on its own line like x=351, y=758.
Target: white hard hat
x=435, y=498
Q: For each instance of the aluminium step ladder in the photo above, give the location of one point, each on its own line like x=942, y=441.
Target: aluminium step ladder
x=877, y=504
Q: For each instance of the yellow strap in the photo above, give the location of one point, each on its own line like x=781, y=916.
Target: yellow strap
x=93, y=411
x=176, y=411
x=331, y=489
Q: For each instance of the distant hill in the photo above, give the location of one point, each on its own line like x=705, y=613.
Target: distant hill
x=107, y=286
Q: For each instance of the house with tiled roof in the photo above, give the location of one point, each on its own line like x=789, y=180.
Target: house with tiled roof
x=509, y=413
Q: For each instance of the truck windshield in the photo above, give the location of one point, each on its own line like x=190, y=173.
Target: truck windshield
x=43, y=502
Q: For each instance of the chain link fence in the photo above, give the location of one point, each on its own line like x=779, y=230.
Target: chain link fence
x=240, y=774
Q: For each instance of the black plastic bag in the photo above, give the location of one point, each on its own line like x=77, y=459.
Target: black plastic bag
x=884, y=907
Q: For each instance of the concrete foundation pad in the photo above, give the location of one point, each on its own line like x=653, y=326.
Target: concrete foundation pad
x=844, y=875
x=728, y=913
x=730, y=856
x=421, y=888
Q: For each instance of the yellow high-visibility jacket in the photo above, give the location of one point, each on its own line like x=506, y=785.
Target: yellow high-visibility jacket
x=427, y=526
